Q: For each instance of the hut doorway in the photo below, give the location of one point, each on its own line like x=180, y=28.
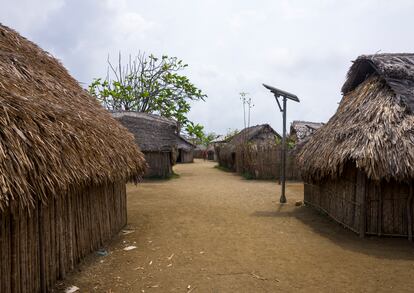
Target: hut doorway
x=180, y=156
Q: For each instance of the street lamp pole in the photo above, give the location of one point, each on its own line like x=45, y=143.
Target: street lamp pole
x=285, y=95
x=283, y=196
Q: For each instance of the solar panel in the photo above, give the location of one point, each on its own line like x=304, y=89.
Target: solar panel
x=277, y=92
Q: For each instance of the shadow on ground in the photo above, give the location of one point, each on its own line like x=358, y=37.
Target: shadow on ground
x=321, y=224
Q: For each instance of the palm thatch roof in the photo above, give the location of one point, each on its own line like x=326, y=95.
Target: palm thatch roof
x=220, y=139
x=200, y=147
x=396, y=69
x=53, y=134
x=183, y=144
x=257, y=133
x=303, y=129
x=373, y=126
x=153, y=133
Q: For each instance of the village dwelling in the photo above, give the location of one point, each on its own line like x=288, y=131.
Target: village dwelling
x=300, y=133
x=214, y=146
x=157, y=139
x=236, y=154
x=359, y=167
x=199, y=151
x=185, y=150
x=302, y=130
x=64, y=162
x=210, y=153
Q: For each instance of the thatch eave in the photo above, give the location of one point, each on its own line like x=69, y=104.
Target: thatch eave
x=371, y=129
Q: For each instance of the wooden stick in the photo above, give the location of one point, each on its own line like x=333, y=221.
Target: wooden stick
x=409, y=212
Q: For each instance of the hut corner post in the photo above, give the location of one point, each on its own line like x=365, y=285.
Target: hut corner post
x=409, y=212
x=361, y=188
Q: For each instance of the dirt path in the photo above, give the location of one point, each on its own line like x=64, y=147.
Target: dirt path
x=212, y=231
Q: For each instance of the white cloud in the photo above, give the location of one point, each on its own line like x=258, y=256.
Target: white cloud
x=26, y=15
x=302, y=46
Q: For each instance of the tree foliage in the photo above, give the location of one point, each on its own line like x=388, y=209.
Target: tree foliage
x=198, y=136
x=148, y=84
x=195, y=132
x=208, y=138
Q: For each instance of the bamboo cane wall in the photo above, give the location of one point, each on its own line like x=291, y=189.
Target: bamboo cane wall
x=264, y=162
x=211, y=156
x=159, y=164
x=198, y=154
x=186, y=156
x=39, y=248
x=363, y=205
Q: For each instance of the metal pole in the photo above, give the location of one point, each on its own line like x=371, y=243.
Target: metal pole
x=279, y=93
x=282, y=196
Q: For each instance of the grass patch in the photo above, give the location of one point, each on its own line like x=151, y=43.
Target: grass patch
x=174, y=176
x=247, y=176
x=221, y=168
x=169, y=177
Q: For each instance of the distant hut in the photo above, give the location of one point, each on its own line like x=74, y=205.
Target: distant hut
x=64, y=163
x=211, y=154
x=199, y=151
x=359, y=167
x=215, y=145
x=185, y=150
x=301, y=130
x=157, y=139
x=258, y=135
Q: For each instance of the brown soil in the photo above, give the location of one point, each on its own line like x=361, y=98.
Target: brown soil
x=213, y=231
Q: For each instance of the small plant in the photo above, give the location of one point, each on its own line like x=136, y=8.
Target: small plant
x=161, y=177
x=247, y=176
x=174, y=176
x=222, y=168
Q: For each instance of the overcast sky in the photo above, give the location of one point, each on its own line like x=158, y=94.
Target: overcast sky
x=304, y=47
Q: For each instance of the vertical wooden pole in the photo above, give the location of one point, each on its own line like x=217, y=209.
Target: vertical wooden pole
x=380, y=210
x=409, y=212
x=361, y=182
x=15, y=252
x=41, y=244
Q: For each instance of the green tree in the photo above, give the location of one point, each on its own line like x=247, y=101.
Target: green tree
x=195, y=133
x=148, y=84
x=197, y=136
x=208, y=138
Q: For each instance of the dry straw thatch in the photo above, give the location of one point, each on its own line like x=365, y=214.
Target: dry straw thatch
x=302, y=130
x=259, y=134
x=231, y=154
x=373, y=126
x=53, y=134
x=153, y=133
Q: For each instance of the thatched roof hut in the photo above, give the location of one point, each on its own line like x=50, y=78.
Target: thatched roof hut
x=156, y=137
x=369, y=143
x=258, y=135
x=300, y=130
x=199, y=151
x=211, y=153
x=185, y=150
x=64, y=162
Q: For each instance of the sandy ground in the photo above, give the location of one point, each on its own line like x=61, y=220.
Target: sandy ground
x=213, y=231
